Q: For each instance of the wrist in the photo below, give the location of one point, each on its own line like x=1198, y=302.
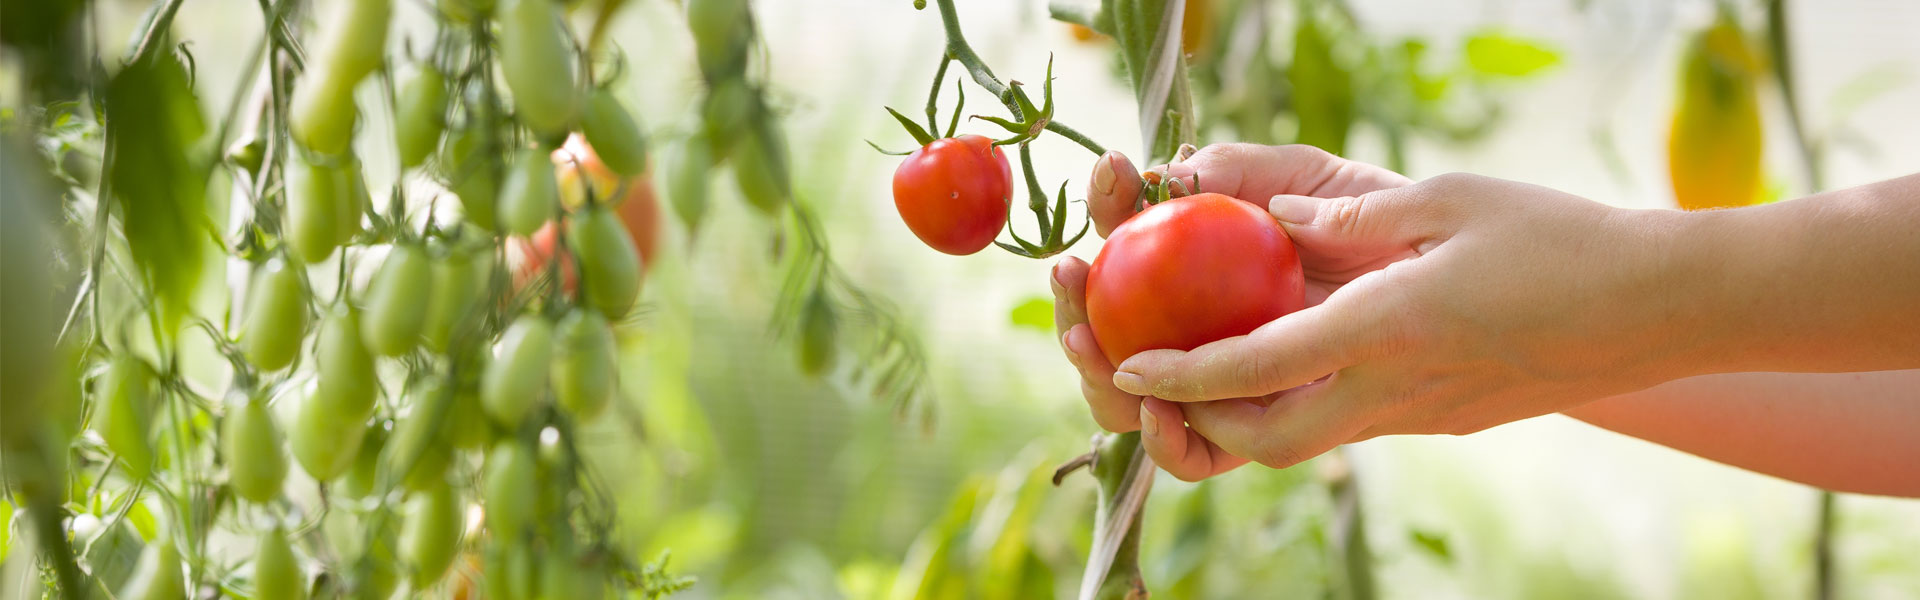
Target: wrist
x=1714, y=285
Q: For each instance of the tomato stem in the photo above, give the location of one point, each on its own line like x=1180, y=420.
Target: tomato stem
x=959, y=50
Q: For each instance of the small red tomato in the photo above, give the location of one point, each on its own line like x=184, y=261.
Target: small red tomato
x=953, y=193
x=1190, y=271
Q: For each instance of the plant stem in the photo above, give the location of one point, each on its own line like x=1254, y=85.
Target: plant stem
x=959, y=50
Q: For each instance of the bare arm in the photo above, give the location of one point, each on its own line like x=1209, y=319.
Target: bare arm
x=1850, y=432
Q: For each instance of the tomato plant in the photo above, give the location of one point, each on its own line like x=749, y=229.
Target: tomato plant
x=954, y=192
x=1189, y=271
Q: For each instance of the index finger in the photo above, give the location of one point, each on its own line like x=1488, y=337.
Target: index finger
x=1111, y=191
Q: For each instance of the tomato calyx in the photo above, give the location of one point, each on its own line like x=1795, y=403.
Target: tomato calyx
x=1033, y=120
x=1053, y=223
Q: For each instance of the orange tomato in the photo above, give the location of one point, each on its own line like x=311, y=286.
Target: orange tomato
x=637, y=206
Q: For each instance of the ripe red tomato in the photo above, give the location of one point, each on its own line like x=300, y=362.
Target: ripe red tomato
x=1191, y=271
x=953, y=193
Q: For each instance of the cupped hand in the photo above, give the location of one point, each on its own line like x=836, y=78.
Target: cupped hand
x=1250, y=172
x=1496, y=301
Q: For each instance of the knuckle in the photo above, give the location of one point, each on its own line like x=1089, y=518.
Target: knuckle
x=1349, y=215
x=1275, y=452
x=1254, y=375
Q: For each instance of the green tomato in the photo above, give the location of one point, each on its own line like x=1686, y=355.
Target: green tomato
x=157, y=576
x=465, y=11
x=687, y=175
x=353, y=39
x=530, y=194
x=760, y=167
x=468, y=427
x=277, y=574
x=354, y=202
x=430, y=534
x=322, y=114
x=513, y=382
x=727, y=114
x=459, y=285
x=561, y=576
x=537, y=63
x=510, y=490
x=609, y=264
x=472, y=173
x=276, y=319
x=256, y=465
x=584, y=363
x=363, y=480
x=615, y=137
x=376, y=571
x=396, y=301
x=511, y=572
x=326, y=439
x=722, y=31
x=419, y=453
x=311, y=225
x=422, y=115
x=124, y=413
x=818, y=328
x=343, y=366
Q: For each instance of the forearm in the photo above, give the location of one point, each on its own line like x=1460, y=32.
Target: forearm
x=1852, y=432
x=1828, y=283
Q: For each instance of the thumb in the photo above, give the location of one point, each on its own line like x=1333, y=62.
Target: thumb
x=1289, y=352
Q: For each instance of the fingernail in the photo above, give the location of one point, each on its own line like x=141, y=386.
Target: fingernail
x=1298, y=210
x=1058, y=285
x=1067, y=345
x=1103, y=176
x=1131, y=383
x=1149, y=425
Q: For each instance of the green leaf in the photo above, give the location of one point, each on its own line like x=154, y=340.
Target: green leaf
x=1433, y=543
x=159, y=178
x=1501, y=54
x=112, y=556
x=1034, y=313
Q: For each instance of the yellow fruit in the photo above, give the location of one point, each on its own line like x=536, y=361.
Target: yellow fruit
x=1714, y=148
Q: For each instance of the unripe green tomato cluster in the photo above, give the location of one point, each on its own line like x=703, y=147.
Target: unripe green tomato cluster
x=352, y=44
x=435, y=289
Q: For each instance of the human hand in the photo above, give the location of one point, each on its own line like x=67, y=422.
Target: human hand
x=1251, y=172
x=1496, y=301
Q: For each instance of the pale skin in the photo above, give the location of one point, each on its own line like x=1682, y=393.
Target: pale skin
x=1783, y=338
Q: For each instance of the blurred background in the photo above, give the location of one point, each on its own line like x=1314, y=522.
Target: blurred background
x=767, y=483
